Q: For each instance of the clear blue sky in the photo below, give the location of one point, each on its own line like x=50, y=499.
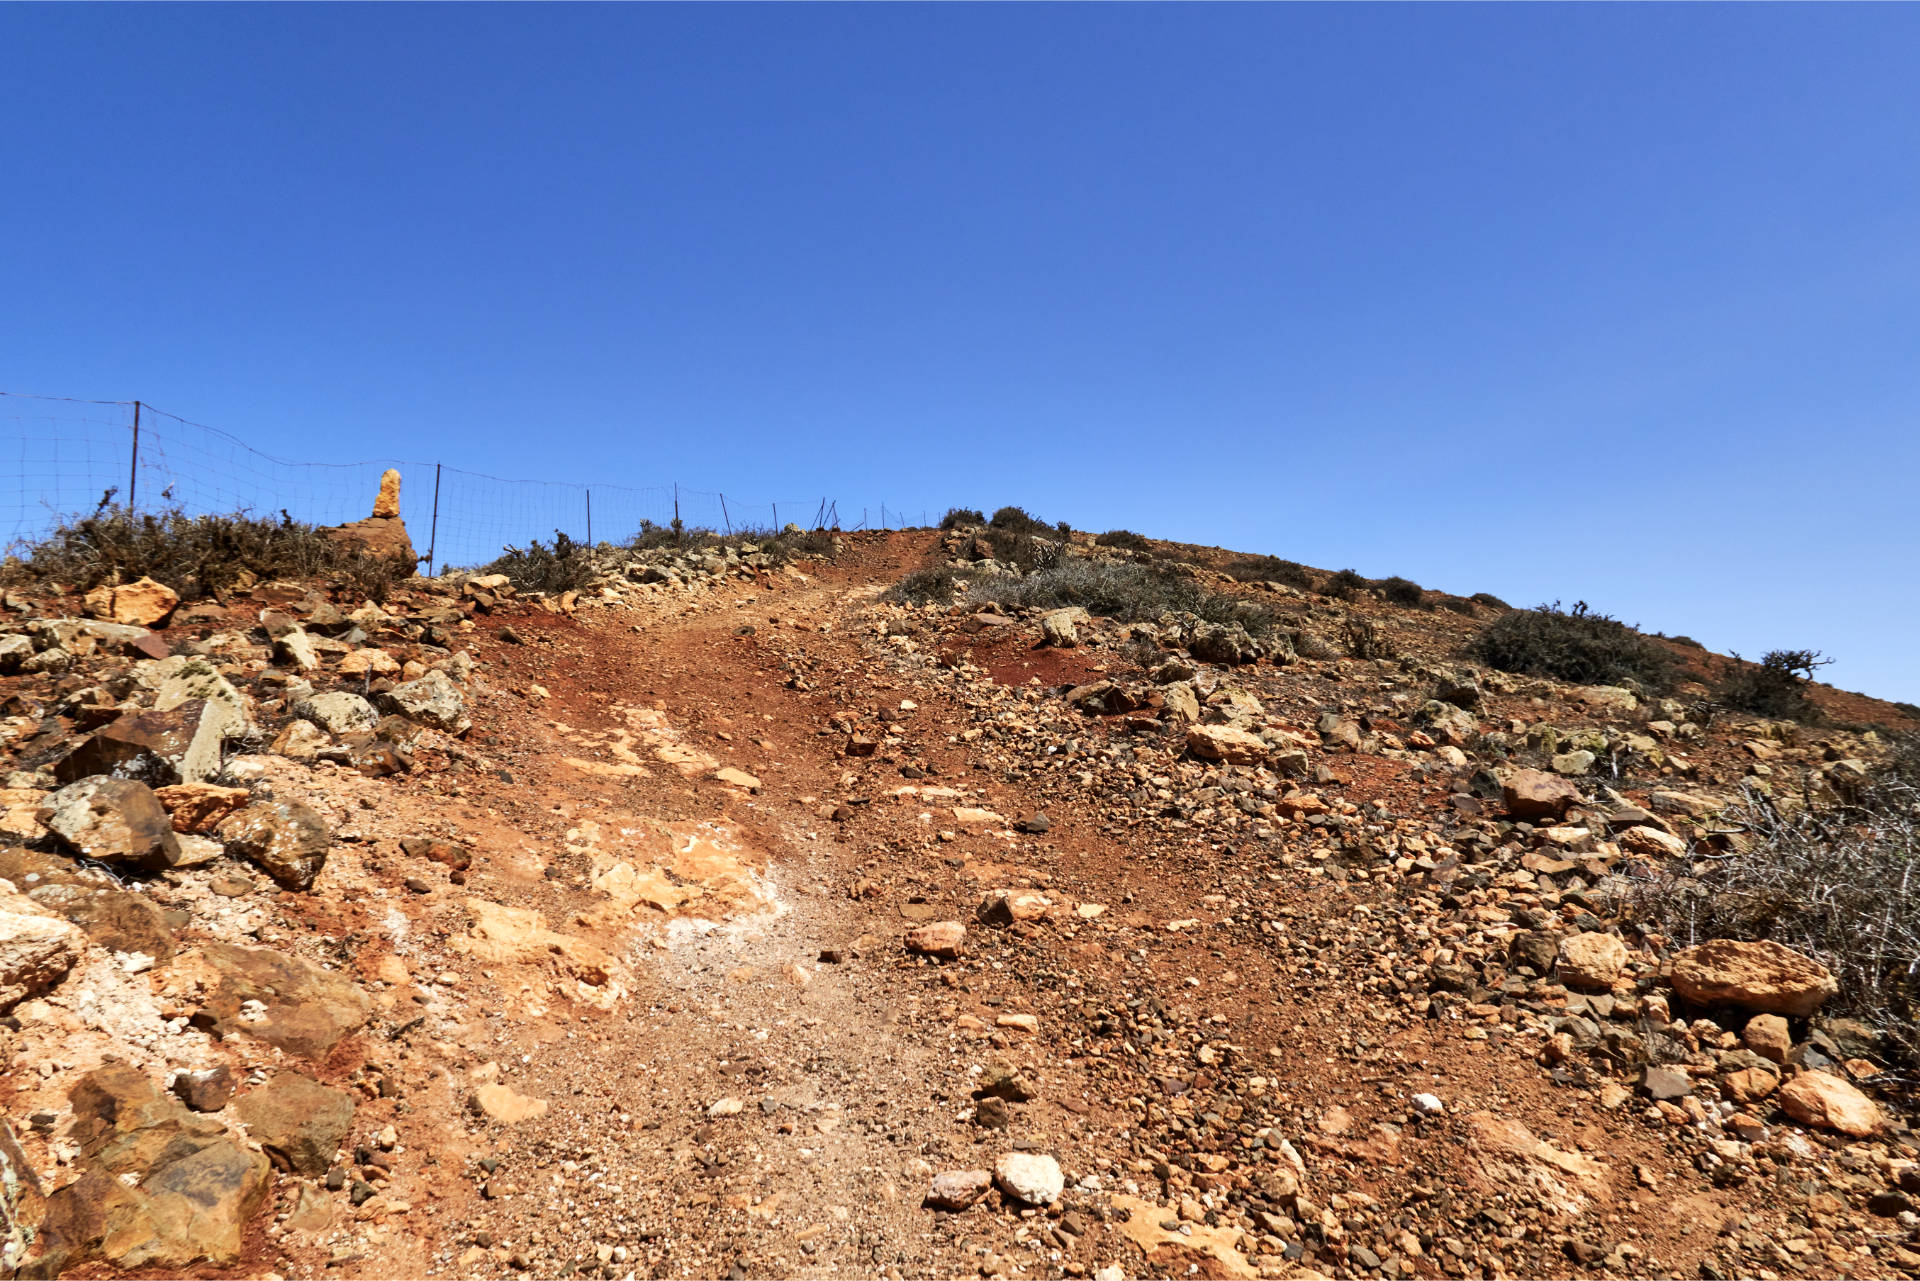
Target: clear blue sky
x=1613, y=302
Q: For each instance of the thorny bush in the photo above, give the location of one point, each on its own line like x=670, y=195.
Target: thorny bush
x=566, y=566
x=1577, y=646
x=194, y=555
x=962, y=518
x=1776, y=686
x=1835, y=877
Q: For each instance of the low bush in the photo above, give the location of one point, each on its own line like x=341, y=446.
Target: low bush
x=1344, y=585
x=1269, y=569
x=1576, y=646
x=962, y=518
x=1125, y=539
x=566, y=566
x=675, y=533
x=1459, y=605
x=933, y=585
x=1015, y=520
x=1831, y=880
x=1489, y=600
x=194, y=555
x=1128, y=591
x=1364, y=639
x=1776, y=686
x=1403, y=591
x=1688, y=641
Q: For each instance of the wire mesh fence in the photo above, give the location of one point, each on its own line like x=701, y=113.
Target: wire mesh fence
x=67, y=456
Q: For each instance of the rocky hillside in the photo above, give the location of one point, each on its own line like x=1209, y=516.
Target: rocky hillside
x=745, y=912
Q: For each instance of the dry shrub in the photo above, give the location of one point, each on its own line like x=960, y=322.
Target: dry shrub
x=1837, y=880
x=194, y=555
x=962, y=518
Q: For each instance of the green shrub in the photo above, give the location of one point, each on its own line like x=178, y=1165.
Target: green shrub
x=1489, y=600
x=1015, y=520
x=1688, y=641
x=194, y=555
x=1124, y=539
x=1459, y=605
x=1269, y=569
x=962, y=518
x=1403, y=591
x=1343, y=585
x=1128, y=591
x=566, y=566
x=1776, y=686
x=1577, y=646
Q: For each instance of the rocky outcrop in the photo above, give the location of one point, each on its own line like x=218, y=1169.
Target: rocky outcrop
x=160, y=1188
x=382, y=535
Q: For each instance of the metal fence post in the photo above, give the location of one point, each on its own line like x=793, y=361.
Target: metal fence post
x=133, y=472
x=433, y=532
x=724, y=517
x=589, y=518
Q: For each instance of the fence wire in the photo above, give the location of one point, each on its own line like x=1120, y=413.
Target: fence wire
x=68, y=456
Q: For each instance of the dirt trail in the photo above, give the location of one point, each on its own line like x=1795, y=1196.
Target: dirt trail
x=752, y=1109
x=664, y=1024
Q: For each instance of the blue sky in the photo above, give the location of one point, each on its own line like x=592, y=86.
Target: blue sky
x=1616, y=303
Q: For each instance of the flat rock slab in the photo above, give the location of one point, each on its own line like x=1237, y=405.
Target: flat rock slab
x=308, y=1009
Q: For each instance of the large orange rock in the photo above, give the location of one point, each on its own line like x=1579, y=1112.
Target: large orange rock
x=144, y=603
x=1815, y=1098
x=1226, y=743
x=1533, y=794
x=1762, y=976
x=1592, y=959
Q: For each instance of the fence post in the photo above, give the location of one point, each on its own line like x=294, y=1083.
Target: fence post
x=133, y=472
x=724, y=517
x=776, y=518
x=589, y=518
x=433, y=532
